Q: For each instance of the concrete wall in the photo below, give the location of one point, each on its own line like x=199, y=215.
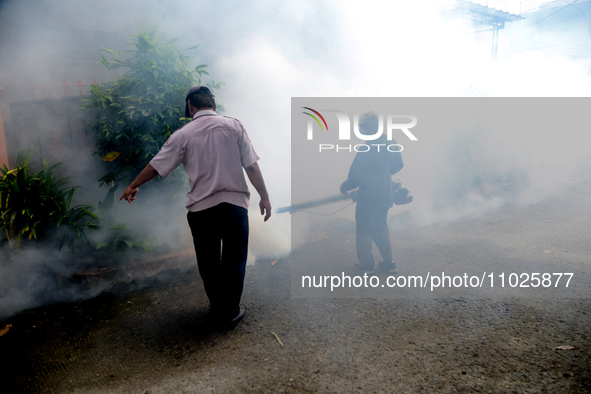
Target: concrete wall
x=56, y=129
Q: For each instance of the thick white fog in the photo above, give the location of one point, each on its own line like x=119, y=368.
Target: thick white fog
x=267, y=52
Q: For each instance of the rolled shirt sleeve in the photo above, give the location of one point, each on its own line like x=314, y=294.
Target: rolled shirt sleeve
x=248, y=155
x=169, y=157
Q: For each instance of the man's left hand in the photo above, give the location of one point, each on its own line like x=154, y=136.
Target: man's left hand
x=265, y=209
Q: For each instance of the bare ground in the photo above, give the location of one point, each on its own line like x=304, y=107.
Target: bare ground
x=155, y=337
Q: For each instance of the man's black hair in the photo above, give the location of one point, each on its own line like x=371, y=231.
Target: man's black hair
x=202, y=101
x=199, y=97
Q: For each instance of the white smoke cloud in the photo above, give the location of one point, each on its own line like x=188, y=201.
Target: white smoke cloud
x=267, y=52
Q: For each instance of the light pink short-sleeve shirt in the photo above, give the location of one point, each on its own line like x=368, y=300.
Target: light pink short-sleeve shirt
x=213, y=150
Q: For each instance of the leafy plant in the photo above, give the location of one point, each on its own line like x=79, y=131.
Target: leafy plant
x=119, y=240
x=136, y=114
x=32, y=204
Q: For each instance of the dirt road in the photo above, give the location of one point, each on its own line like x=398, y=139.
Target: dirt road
x=155, y=338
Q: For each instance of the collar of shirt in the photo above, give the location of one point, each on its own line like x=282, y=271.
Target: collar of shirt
x=204, y=112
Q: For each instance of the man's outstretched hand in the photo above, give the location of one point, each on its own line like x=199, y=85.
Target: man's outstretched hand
x=147, y=174
x=129, y=194
x=265, y=206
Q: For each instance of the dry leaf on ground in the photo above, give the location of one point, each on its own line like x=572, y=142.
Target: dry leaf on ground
x=565, y=347
x=5, y=329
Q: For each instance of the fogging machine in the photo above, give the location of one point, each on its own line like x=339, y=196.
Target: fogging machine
x=400, y=195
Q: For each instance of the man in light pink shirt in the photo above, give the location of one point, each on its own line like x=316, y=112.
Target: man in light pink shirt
x=213, y=150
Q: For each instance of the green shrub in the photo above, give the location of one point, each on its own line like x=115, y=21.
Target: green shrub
x=35, y=204
x=135, y=114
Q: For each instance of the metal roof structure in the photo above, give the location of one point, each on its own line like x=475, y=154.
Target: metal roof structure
x=487, y=15
x=482, y=15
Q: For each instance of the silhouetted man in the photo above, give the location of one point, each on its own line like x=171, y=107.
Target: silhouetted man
x=371, y=172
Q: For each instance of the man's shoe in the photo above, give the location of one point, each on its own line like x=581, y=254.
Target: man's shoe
x=389, y=267
x=366, y=269
x=224, y=322
x=239, y=317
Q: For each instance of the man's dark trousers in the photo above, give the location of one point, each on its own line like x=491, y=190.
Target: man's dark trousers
x=371, y=226
x=220, y=236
